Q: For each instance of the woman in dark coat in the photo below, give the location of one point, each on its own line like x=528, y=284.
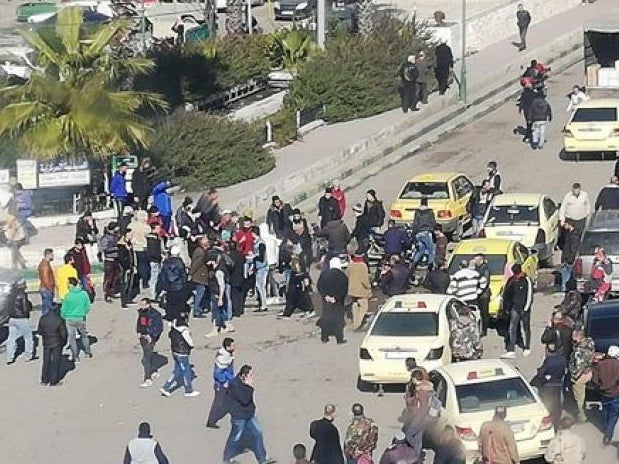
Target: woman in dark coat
x=333, y=288
x=298, y=293
x=128, y=262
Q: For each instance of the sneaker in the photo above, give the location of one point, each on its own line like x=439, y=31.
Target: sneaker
x=155, y=375
x=212, y=426
x=280, y=314
x=192, y=394
x=164, y=392
x=312, y=314
x=508, y=355
x=10, y=361
x=147, y=383
x=526, y=353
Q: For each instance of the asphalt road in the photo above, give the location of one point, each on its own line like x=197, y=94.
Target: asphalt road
x=91, y=418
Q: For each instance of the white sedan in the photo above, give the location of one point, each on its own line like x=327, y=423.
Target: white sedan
x=469, y=391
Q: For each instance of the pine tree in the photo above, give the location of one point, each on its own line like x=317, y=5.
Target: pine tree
x=234, y=17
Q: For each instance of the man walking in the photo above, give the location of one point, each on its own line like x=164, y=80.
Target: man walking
x=606, y=378
x=46, y=281
x=425, y=77
x=550, y=379
x=118, y=189
x=483, y=300
x=359, y=289
x=466, y=284
x=541, y=115
x=608, y=198
x=144, y=449
x=517, y=302
x=580, y=364
x=571, y=242
x=149, y=328
x=181, y=345
x=108, y=247
x=53, y=332
x=243, y=418
x=496, y=440
x=575, y=208
x=523, y=19
x=223, y=373
x=199, y=277
x=327, y=449
x=75, y=308
x=444, y=66
x=19, y=323
x=361, y=437
x=408, y=88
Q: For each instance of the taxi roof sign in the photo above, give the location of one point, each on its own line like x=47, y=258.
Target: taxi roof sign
x=485, y=373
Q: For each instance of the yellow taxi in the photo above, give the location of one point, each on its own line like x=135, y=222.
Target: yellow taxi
x=500, y=254
x=448, y=195
x=469, y=391
x=529, y=218
x=593, y=127
x=407, y=326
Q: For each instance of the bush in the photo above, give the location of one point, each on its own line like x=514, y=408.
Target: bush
x=357, y=77
x=202, y=149
x=284, y=124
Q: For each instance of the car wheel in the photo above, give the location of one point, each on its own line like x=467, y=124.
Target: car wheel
x=364, y=386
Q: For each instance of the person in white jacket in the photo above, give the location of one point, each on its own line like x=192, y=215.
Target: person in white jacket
x=576, y=97
x=567, y=447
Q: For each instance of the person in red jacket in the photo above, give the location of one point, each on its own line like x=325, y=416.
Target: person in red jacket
x=339, y=196
x=244, y=237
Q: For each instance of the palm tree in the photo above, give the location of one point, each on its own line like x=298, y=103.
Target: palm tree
x=366, y=17
x=235, y=17
x=72, y=103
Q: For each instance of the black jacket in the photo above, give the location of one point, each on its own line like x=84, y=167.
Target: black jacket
x=444, y=57
x=608, y=198
x=153, y=248
x=327, y=449
x=540, y=110
x=518, y=294
x=424, y=220
x=237, y=275
x=375, y=213
x=523, y=17
x=149, y=323
x=328, y=209
x=53, y=330
x=85, y=232
x=141, y=185
x=569, y=248
x=552, y=371
x=437, y=281
x=362, y=229
x=240, y=400
x=173, y=275
x=278, y=220
x=19, y=306
x=178, y=344
x=525, y=101
x=409, y=73
x=560, y=337
x=396, y=280
x=337, y=234
x=126, y=257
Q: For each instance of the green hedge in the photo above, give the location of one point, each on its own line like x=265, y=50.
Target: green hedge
x=358, y=77
x=206, y=150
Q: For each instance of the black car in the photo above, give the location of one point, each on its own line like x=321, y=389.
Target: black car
x=601, y=322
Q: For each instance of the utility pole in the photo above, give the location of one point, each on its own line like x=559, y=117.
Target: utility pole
x=250, y=21
x=320, y=23
x=143, y=25
x=210, y=18
x=463, y=66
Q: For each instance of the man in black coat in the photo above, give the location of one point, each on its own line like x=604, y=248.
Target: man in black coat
x=523, y=19
x=141, y=183
x=53, y=332
x=333, y=288
x=437, y=278
x=327, y=449
x=444, y=66
x=608, y=198
x=328, y=207
x=409, y=74
x=278, y=217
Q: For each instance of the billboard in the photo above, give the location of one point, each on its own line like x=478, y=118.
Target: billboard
x=63, y=173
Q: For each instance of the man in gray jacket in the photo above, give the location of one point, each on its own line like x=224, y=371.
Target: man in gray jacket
x=144, y=448
x=425, y=77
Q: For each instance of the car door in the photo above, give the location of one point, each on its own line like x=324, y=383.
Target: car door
x=462, y=189
x=551, y=222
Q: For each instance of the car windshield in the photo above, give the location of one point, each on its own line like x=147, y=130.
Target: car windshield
x=485, y=396
x=513, y=215
x=496, y=263
x=406, y=324
x=595, y=115
x=603, y=328
x=591, y=240
x=432, y=190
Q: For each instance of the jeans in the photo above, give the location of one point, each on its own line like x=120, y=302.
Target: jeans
x=426, y=246
x=219, y=406
x=519, y=320
x=219, y=313
x=476, y=224
x=610, y=408
x=198, y=299
x=522, y=31
x=566, y=274
x=143, y=268
x=228, y=293
x=75, y=326
x=181, y=374
x=239, y=428
x=261, y=285
x=148, y=356
x=47, y=299
x=539, y=134
x=111, y=271
x=19, y=328
x=155, y=269
x=119, y=206
x=50, y=372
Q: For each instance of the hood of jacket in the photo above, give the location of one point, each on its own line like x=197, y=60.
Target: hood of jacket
x=223, y=358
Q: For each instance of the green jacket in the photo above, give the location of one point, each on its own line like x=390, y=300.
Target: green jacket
x=75, y=305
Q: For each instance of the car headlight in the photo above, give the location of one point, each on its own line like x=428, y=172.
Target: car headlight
x=434, y=354
x=302, y=6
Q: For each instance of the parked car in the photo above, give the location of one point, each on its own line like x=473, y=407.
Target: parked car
x=530, y=218
x=602, y=229
x=26, y=10
x=593, y=127
x=601, y=322
x=294, y=9
x=448, y=195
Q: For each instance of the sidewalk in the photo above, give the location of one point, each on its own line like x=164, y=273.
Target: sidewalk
x=330, y=141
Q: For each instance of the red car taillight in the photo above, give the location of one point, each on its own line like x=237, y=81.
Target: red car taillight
x=444, y=214
x=395, y=213
x=540, y=237
x=546, y=423
x=466, y=433
x=577, y=268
